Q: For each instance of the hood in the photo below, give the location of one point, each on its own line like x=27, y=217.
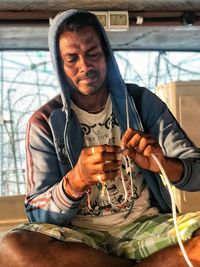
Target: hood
x=123, y=106
x=115, y=80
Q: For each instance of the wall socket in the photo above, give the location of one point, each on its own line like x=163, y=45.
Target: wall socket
x=103, y=18
x=118, y=20
x=113, y=20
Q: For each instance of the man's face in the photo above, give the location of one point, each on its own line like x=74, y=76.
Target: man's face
x=84, y=60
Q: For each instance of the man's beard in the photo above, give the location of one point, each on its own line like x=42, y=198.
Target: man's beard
x=93, y=89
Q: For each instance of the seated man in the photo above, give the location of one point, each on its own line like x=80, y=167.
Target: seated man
x=95, y=196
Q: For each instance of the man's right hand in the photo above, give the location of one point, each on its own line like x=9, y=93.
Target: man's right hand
x=102, y=161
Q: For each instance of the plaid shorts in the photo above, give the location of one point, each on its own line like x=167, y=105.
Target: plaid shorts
x=136, y=240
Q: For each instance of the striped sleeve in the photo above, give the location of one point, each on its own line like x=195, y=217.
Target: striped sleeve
x=46, y=200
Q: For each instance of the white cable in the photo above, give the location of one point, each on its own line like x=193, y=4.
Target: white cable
x=125, y=193
x=128, y=168
x=173, y=209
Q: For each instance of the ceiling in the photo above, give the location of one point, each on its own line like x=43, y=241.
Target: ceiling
x=166, y=24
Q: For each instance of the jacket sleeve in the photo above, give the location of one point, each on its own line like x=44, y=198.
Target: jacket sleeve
x=159, y=121
x=46, y=200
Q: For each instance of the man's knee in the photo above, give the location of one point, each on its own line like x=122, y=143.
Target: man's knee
x=14, y=242
x=23, y=247
x=11, y=247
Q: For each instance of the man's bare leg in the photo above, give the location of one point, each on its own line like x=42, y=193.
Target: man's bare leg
x=172, y=256
x=30, y=249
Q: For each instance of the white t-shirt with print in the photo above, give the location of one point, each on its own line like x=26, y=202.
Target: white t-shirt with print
x=99, y=129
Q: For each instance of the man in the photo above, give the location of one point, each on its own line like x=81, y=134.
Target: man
x=94, y=192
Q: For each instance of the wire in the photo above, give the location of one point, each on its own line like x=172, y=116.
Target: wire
x=125, y=191
x=166, y=179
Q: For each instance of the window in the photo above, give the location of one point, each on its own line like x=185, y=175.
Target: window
x=28, y=81
x=150, y=68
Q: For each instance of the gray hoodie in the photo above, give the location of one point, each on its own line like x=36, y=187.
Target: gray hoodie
x=54, y=139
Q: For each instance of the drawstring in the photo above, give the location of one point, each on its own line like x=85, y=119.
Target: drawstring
x=128, y=166
x=64, y=109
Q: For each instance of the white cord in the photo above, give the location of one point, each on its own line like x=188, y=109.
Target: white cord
x=173, y=209
x=125, y=192
x=131, y=174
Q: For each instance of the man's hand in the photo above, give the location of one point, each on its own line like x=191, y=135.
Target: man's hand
x=100, y=160
x=139, y=147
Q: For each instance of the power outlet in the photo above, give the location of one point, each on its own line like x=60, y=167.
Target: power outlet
x=118, y=20
x=103, y=17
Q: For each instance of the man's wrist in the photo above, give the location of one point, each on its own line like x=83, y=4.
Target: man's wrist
x=70, y=190
x=174, y=169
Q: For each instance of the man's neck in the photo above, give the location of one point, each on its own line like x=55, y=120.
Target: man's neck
x=91, y=103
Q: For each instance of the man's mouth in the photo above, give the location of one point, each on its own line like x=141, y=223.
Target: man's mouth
x=89, y=77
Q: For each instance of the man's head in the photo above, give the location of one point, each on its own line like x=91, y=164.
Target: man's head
x=83, y=54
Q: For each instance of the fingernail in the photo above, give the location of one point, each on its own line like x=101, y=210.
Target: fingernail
x=122, y=147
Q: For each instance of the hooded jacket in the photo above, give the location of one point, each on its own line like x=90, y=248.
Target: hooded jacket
x=54, y=139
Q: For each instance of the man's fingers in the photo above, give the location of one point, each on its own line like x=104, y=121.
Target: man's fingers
x=103, y=148
x=106, y=175
x=103, y=153
x=144, y=142
x=136, y=140
x=127, y=136
x=132, y=139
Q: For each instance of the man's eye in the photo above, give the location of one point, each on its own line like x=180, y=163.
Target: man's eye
x=70, y=59
x=93, y=54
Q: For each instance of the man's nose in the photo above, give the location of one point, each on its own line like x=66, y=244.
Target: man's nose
x=84, y=64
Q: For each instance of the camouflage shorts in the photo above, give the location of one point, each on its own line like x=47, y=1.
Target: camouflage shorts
x=137, y=240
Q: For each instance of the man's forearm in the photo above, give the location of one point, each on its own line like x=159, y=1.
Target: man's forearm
x=174, y=169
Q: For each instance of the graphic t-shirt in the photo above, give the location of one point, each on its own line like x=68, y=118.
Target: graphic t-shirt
x=112, y=208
